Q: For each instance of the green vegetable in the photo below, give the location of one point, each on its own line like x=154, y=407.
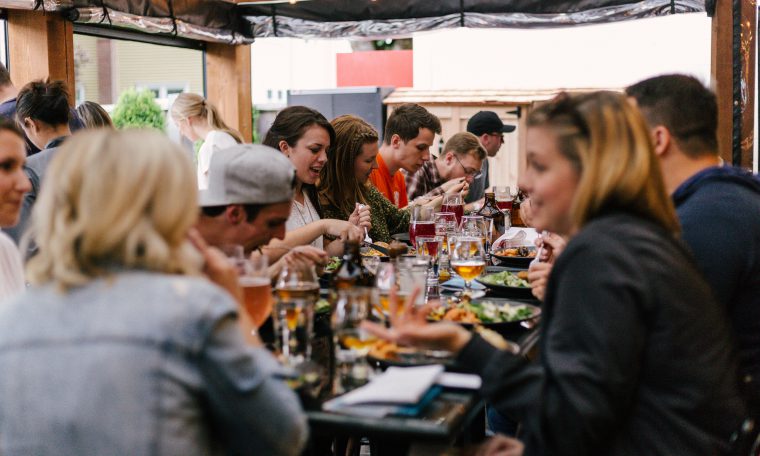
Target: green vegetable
x=322, y=306
x=504, y=278
x=333, y=264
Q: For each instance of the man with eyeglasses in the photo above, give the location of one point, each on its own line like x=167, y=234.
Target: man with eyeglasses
x=452, y=172
x=489, y=129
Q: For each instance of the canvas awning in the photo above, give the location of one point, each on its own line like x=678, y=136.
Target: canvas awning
x=240, y=23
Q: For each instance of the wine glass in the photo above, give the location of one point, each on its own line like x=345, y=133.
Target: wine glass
x=454, y=203
x=468, y=259
x=297, y=290
x=421, y=223
x=352, y=343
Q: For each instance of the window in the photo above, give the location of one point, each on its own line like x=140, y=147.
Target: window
x=107, y=67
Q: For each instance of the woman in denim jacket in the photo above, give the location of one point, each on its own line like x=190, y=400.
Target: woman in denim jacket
x=122, y=347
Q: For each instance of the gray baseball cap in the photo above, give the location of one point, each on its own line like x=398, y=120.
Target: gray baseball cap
x=248, y=174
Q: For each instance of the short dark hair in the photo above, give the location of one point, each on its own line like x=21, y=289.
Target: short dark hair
x=406, y=121
x=251, y=211
x=45, y=101
x=5, y=76
x=684, y=106
x=292, y=122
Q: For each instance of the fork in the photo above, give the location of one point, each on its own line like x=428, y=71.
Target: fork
x=367, y=239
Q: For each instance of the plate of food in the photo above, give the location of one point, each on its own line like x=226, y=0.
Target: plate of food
x=499, y=315
x=383, y=354
x=370, y=252
x=518, y=257
x=508, y=283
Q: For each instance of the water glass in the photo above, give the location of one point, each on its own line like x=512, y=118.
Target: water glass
x=352, y=343
x=413, y=274
x=445, y=225
x=297, y=291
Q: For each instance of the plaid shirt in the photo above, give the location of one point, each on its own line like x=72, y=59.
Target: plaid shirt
x=425, y=182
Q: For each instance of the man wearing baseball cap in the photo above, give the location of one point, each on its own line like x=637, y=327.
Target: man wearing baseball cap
x=248, y=200
x=489, y=129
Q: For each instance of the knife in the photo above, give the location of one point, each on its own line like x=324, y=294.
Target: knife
x=380, y=249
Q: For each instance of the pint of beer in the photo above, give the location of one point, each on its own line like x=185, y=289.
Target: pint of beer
x=257, y=297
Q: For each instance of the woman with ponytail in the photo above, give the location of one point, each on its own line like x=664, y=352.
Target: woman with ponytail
x=198, y=119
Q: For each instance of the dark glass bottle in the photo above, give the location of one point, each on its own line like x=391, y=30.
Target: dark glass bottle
x=352, y=272
x=491, y=212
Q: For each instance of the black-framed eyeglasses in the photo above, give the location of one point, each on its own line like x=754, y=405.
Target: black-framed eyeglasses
x=474, y=173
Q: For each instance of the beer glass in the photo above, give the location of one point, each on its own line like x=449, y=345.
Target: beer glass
x=257, y=290
x=468, y=259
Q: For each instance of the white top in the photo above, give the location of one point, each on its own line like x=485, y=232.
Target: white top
x=215, y=140
x=302, y=215
x=11, y=269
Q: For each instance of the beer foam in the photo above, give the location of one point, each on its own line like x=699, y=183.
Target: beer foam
x=247, y=281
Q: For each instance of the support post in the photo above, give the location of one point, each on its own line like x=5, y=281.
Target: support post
x=41, y=46
x=228, y=85
x=733, y=73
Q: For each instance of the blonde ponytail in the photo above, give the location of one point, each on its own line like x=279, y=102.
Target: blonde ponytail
x=193, y=105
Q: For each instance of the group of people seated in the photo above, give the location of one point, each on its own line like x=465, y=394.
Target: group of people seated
x=131, y=337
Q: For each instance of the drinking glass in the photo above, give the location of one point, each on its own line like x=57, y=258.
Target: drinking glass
x=454, y=203
x=297, y=291
x=257, y=290
x=445, y=226
x=421, y=223
x=468, y=259
x=476, y=226
x=385, y=281
x=352, y=343
x=412, y=273
x=503, y=198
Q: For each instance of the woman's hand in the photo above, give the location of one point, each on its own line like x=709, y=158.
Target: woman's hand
x=553, y=245
x=217, y=267
x=361, y=217
x=498, y=445
x=222, y=272
x=409, y=326
x=342, y=229
x=538, y=276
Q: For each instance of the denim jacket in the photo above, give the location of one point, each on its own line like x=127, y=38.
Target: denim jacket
x=138, y=363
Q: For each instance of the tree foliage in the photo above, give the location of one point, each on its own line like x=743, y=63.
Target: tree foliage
x=138, y=110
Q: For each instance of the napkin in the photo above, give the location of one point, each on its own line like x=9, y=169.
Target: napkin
x=527, y=239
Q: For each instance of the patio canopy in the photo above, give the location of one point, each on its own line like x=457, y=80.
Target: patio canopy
x=242, y=22
x=399, y=18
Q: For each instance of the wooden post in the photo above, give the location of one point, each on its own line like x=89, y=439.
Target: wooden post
x=228, y=85
x=41, y=46
x=733, y=72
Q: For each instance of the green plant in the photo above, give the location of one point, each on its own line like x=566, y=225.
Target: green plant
x=138, y=110
x=254, y=124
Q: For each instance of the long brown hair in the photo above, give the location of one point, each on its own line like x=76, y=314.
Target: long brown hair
x=607, y=141
x=338, y=186
x=191, y=105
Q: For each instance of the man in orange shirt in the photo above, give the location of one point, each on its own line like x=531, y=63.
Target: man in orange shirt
x=409, y=133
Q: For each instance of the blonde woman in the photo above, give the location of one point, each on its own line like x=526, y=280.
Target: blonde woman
x=635, y=354
x=121, y=346
x=197, y=119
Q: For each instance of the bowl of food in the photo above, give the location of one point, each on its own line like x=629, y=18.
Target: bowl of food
x=384, y=354
x=518, y=257
x=507, y=283
x=367, y=251
x=500, y=315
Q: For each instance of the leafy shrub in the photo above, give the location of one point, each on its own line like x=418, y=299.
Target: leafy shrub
x=138, y=110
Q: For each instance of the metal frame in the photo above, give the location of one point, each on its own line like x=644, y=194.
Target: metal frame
x=130, y=35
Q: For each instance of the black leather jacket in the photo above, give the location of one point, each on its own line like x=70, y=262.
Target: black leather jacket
x=636, y=356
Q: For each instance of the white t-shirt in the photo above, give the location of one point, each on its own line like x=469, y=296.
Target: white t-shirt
x=302, y=215
x=215, y=140
x=11, y=269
